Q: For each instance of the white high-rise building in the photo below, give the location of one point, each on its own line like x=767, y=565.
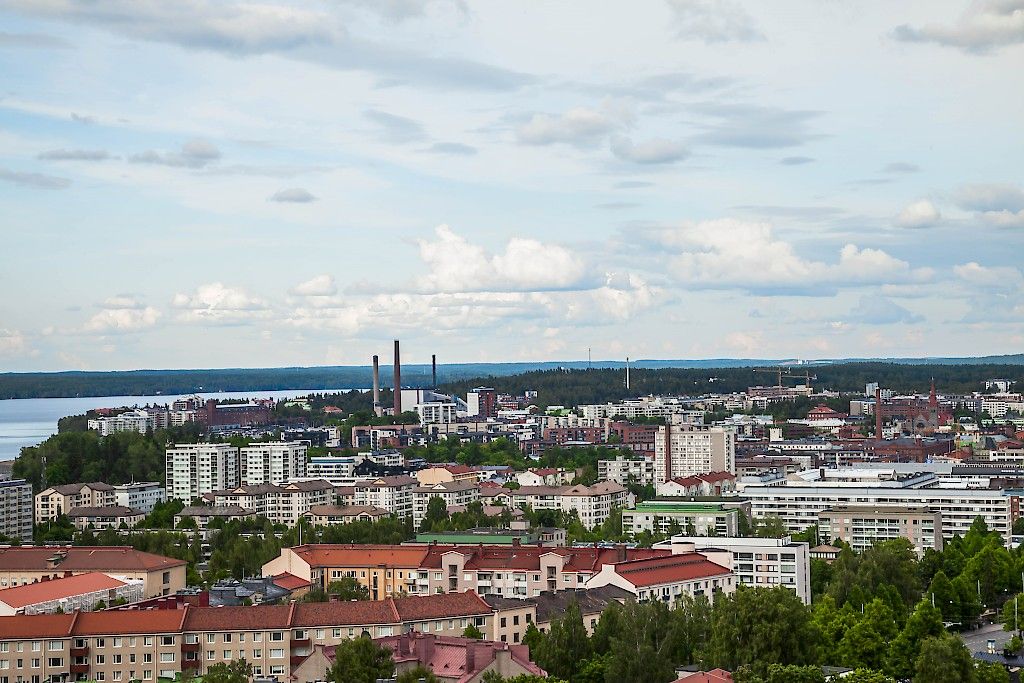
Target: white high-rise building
x=272, y=463
x=683, y=450
x=194, y=469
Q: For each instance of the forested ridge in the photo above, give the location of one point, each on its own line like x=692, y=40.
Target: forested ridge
x=599, y=384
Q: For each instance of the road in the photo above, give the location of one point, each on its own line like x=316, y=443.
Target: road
x=977, y=640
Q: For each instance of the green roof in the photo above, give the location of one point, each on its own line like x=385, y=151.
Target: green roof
x=470, y=539
x=667, y=506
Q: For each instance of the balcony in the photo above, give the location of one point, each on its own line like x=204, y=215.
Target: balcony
x=301, y=642
x=188, y=647
x=79, y=668
x=190, y=664
x=79, y=651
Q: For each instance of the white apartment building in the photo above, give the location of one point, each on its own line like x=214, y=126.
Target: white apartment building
x=272, y=463
x=139, y=495
x=140, y=420
x=667, y=578
x=195, y=469
x=393, y=494
x=436, y=412
x=623, y=470
x=337, y=469
x=592, y=503
x=59, y=500
x=280, y=504
x=799, y=504
x=16, y=513
x=759, y=562
x=451, y=492
x=682, y=410
x=682, y=450
x=661, y=516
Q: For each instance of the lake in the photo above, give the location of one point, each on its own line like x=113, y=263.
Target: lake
x=27, y=421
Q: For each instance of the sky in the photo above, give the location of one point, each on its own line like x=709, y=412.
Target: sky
x=207, y=183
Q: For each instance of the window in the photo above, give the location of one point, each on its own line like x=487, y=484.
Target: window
x=277, y=670
x=211, y=655
x=227, y=655
x=37, y=645
x=116, y=659
x=55, y=645
x=167, y=577
x=277, y=636
x=167, y=640
x=257, y=654
x=101, y=659
x=55, y=662
x=147, y=657
x=117, y=641
x=147, y=641
x=277, y=653
x=147, y=675
x=166, y=657
x=241, y=637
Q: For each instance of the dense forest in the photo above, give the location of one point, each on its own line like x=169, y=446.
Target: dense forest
x=649, y=376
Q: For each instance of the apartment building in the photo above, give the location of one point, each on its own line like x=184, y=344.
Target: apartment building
x=337, y=469
x=141, y=420
x=390, y=493
x=623, y=470
x=710, y=484
x=20, y=565
x=447, y=473
x=798, y=504
x=139, y=495
x=758, y=562
x=864, y=525
x=507, y=570
x=683, y=450
x=667, y=578
x=195, y=469
x=58, y=500
x=546, y=476
x=451, y=492
x=280, y=504
x=106, y=517
x=81, y=592
x=693, y=517
x=202, y=515
x=592, y=503
x=272, y=463
x=147, y=645
x=325, y=515
x=647, y=406
x=16, y=513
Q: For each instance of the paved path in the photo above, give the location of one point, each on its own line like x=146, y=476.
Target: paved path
x=977, y=640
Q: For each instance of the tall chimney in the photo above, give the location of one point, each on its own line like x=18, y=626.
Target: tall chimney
x=627, y=373
x=433, y=370
x=878, y=413
x=376, y=385
x=398, y=382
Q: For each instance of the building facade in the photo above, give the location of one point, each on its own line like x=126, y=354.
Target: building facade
x=683, y=450
x=195, y=469
x=864, y=525
x=59, y=500
x=272, y=463
x=16, y=509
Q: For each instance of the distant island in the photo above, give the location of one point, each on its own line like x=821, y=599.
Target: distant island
x=679, y=376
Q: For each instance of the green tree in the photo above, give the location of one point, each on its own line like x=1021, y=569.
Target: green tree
x=924, y=622
x=417, y=674
x=472, y=631
x=436, y=515
x=642, y=649
x=943, y=659
x=348, y=588
x=238, y=671
x=360, y=660
x=990, y=673
x=867, y=676
x=1013, y=613
x=567, y=644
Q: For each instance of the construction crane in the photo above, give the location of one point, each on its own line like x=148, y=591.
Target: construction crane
x=780, y=371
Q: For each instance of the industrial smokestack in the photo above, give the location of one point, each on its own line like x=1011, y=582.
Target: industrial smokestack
x=433, y=370
x=376, y=385
x=878, y=413
x=627, y=373
x=398, y=382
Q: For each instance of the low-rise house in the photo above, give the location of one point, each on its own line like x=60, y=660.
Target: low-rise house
x=59, y=500
x=710, y=484
x=202, y=515
x=323, y=515
x=667, y=578
x=20, y=565
x=546, y=476
x=81, y=592
x=109, y=517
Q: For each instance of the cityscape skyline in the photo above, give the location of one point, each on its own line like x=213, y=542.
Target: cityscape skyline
x=277, y=184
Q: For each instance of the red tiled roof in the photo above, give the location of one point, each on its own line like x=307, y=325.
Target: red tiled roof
x=117, y=622
x=35, y=626
x=350, y=613
x=83, y=559
x=671, y=569
x=45, y=591
x=290, y=581
x=238, y=618
x=354, y=555
x=713, y=676
x=458, y=469
x=716, y=476
x=443, y=605
x=448, y=657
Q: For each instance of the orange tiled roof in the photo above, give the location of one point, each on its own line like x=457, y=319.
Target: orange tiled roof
x=45, y=591
x=354, y=555
x=83, y=559
x=673, y=568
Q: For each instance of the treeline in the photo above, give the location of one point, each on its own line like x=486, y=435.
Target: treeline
x=883, y=612
x=574, y=387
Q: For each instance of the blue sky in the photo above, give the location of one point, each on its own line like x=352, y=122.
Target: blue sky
x=209, y=184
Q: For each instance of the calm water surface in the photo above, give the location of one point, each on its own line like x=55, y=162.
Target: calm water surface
x=27, y=421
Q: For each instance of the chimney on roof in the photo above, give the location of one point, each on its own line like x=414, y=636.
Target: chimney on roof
x=398, y=382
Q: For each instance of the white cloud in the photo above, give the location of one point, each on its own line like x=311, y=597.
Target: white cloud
x=118, y=320
x=985, y=26
x=1002, y=277
x=919, y=214
x=998, y=204
x=321, y=285
x=746, y=343
x=12, y=342
x=193, y=154
x=456, y=265
x=713, y=21
x=74, y=155
x=580, y=126
x=295, y=195
x=37, y=180
x=732, y=254
x=214, y=302
x=873, y=309
x=655, y=151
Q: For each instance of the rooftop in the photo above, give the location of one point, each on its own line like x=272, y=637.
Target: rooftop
x=82, y=559
x=57, y=589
